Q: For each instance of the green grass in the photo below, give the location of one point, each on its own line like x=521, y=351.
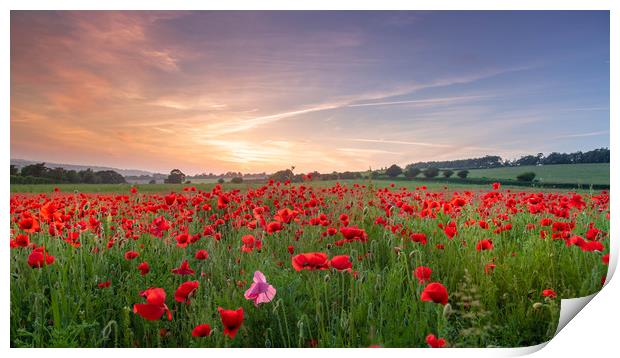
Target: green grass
x=559, y=173
x=165, y=188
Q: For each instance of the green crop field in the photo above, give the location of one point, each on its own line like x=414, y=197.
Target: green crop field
x=559, y=173
x=164, y=188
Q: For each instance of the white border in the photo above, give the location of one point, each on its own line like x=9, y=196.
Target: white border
x=591, y=333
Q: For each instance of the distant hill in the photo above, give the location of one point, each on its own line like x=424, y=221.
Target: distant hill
x=20, y=163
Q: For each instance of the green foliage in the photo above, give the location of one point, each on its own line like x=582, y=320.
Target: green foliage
x=393, y=171
x=431, y=172
x=35, y=170
x=19, y=179
x=462, y=174
x=601, y=155
x=448, y=173
x=282, y=175
x=411, y=172
x=40, y=174
x=176, y=177
x=527, y=176
x=236, y=180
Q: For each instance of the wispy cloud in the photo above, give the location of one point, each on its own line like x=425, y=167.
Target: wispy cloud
x=444, y=100
x=353, y=101
x=578, y=135
x=367, y=151
x=383, y=141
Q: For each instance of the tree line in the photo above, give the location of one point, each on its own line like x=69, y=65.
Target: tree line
x=601, y=155
x=40, y=174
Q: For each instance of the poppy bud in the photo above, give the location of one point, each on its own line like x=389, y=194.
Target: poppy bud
x=537, y=305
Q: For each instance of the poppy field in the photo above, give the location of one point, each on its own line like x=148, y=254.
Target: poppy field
x=353, y=264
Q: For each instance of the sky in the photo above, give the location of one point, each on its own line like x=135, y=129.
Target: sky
x=260, y=91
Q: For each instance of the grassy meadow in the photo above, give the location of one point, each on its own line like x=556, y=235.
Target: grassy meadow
x=593, y=173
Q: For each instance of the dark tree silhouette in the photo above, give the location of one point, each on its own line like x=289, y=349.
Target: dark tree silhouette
x=411, y=172
x=448, y=173
x=176, y=177
x=431, y=172
x=393, y=171
x=462, y=174
x=528, y=176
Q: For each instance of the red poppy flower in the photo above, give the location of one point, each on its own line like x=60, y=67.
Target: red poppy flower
x=39, y=258
x=605, y=259
x=435, y=292
x=340, y=263
x=155, y=305
x=184, y=269
x=489, y=268
x=231, y=320
x=418, y=237
x=182, y=240
x=130, y=255
x=158, y=226
x=450, y=230
x=250, y=243
x=353, y=233
x=29, y=224
x=286, y=215
x=435, y=342
x=201, y=330
x=496, y=186
x=273, y=227
x=46, y=212
x=310, y=261
x=104, y=284
x=170, y=199
x=291, y=249
x=423, y=273
x=144, y=268
x=549, y=293
x=202, y=255
x=185, y=290
x=22, y=240
x=485, y=244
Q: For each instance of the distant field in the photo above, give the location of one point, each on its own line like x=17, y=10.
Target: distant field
x=166, y=188
x=559, y=173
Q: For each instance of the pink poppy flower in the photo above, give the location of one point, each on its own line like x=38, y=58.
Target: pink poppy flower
x=260, y=291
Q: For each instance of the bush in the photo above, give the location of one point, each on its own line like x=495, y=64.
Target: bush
x=236, y=180
x=448, y=173
x=462, y=174
x=282, y=175
x=431, y=172
x=412, y=172
x=527, y=176
x=152, y=181
x=220, y=180
x=393, y=171
x=176, y=177
x=18, y=179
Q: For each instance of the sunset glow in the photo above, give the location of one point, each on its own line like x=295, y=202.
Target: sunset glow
x=211, y=91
